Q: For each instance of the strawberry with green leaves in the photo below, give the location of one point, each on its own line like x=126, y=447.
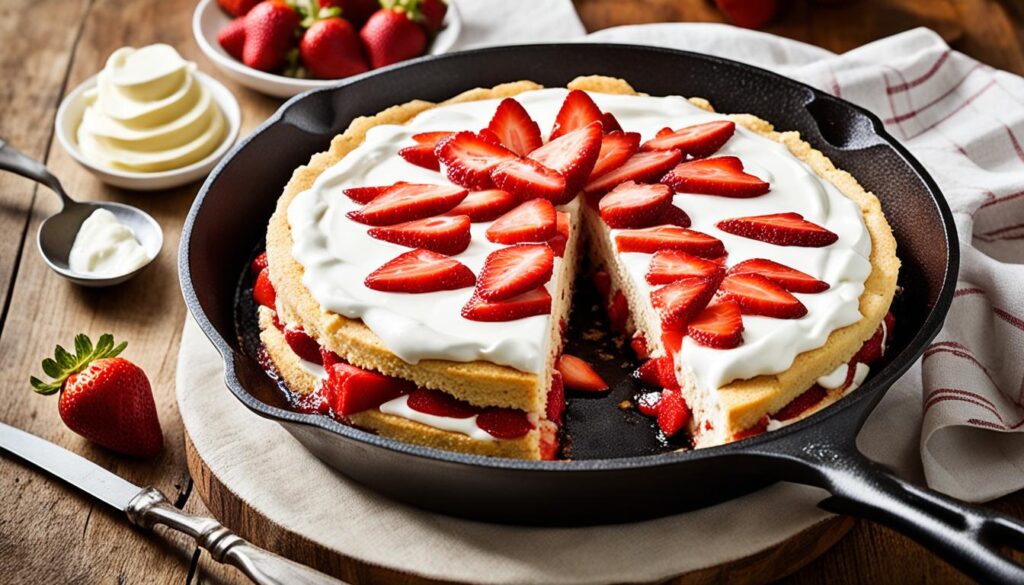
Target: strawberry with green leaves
x=105, y=398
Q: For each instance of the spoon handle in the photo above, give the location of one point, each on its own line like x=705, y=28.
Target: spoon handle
x=13, y=160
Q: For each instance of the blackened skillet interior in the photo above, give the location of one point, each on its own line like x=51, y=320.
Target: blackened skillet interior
x=230, y=214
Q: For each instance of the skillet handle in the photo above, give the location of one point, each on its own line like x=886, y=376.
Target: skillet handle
x=972, y=539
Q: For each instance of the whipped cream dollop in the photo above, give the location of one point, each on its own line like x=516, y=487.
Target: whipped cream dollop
x=337, y=254
x=106, y=247
x=149, y=113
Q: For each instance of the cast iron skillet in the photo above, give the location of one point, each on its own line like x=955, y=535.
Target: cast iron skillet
x=603, y=484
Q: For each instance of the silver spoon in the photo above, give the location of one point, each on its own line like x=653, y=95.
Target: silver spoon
x=57, y=232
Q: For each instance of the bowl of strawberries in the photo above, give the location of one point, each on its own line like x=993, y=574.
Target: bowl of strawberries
x=285, y=47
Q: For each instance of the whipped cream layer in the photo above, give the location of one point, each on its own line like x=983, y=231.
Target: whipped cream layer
x=149, y=113
x=337, y=254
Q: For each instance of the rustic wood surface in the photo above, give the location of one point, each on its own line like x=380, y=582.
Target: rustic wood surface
x=51, y=534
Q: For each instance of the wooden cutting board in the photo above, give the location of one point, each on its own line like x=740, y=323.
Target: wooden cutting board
x=273, y=532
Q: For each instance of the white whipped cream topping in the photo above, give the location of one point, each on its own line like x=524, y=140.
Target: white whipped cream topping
x=313, y=369
x=467, y=426
x=835, y=379
x=337, y=254
x=105, y=247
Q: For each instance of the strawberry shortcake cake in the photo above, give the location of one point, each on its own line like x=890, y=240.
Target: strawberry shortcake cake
x=418, y=275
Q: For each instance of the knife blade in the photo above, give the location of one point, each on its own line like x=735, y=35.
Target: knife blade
x=146, y=507
x=74, y=469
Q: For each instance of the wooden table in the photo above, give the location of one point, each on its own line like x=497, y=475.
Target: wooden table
x=51, y=534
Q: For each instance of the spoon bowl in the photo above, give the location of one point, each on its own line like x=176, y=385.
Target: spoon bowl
x=57, y=233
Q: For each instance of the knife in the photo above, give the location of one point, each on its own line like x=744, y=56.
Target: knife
x=146, y=507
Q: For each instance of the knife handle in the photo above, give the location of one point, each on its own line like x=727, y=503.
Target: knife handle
x=150, y=508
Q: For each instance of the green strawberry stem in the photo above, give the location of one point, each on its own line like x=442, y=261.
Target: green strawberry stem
x=411, y=8
x=64, y=364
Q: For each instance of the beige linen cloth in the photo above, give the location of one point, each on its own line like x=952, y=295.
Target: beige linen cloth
x=953, y=421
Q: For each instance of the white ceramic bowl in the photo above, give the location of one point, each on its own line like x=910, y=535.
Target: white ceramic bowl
x=69, y=116
x=209, y=19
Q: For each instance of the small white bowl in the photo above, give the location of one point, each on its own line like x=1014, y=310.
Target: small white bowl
x=69, y=117
x=209, y=19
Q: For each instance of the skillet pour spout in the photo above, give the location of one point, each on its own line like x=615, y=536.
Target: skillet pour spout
x=218, y=241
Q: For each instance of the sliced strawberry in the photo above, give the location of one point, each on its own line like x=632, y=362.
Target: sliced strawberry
x=650, y=240
x=556, y=398
x=515, y=128
x=756, y=295
x=673, y=413
x=872, y=348
x=788, y=278
x=719, y=326
x=578, y=375
x=420, y=271
x=406, y=202
x=722, y=175
x=533, y=221
x=421, y=155
x=303, y=345
x=512, y=271
x=351, y=390
x=438, y=403
x=609, y=123
x=485, y=205
x=528, y=179
x=577, y=111
x=670, y=265
x=424, y=153
x=616, y=148
x=431, y=138
x=444, y=234
x=647, y=403
x=674, y=216
x=801, y=404
x=535, y=302
x=573, y=156
x=659, y=372
x=561, y=239
x=634, y=205
x=504, y=423
x=639, y=346
x=782, y=229
x=678, y=303
x=695, y=141
x=263, y=292
x=618, y=312
x=365, y=195
x=642, y=167
x=672, y=341
x=328, y=358
x=258, y=263
x=469, y=159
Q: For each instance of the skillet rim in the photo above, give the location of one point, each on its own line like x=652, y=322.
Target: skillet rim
x=871, y=392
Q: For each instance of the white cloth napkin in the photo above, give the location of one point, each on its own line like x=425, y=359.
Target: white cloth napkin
x=501, y=22
x=958, y=413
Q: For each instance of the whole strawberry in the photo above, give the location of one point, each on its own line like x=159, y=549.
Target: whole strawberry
x=391, y=36
x=237, y=7
x=104, y=398
x=330, y=49
x=432, y=13
x=355, y=11
x=269, y=34
x=232, y=37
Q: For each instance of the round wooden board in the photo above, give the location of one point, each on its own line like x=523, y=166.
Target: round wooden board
x=768, y=565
